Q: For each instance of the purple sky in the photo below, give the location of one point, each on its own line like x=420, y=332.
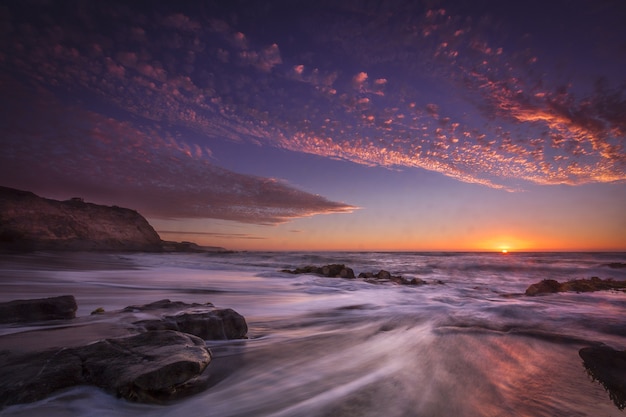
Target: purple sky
x=413, y=125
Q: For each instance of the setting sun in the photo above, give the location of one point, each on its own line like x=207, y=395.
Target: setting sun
x=505, y=251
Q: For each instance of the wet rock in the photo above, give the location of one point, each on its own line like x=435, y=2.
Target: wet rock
x=580, y=285
x=341, y=271
x=150, y=367
x=616, y=265
x=608, y=366
x=218, y=324
x=385, y=276
x=546, y=286
x=54, y=308
x=331, y=271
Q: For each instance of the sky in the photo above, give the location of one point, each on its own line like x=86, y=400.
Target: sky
x=328, y=125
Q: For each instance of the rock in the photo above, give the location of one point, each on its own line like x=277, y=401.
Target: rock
x=331, y=271
x=55, y=308
x=382, y=274
x=218, y=324
x=342, y=271
x=29, y=222
x=616, y=265
x=608, y=366
x=548, y=286
x=544, y=287
x=150, y=367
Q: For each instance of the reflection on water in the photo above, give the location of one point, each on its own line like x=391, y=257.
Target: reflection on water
x=329, y=347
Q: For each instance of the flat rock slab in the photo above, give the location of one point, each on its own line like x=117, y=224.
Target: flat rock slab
x=155, y=366
x=608, y=366
x=55, y=308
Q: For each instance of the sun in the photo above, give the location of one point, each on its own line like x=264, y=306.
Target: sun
x=505, y=251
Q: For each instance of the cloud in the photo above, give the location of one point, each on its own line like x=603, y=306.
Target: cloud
x=213, y=234
x=436, y=89
x=74, y=152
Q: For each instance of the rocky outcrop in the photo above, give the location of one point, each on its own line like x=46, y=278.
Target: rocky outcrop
x=342, y=271
x=608, y=366
x=548, y=286
x=164, y=361
x=149, y=367
x=29, y=222
x=54, y=308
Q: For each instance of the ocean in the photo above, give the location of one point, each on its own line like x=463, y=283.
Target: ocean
x=469, y=343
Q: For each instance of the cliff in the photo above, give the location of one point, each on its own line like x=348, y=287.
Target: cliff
x=30, y=222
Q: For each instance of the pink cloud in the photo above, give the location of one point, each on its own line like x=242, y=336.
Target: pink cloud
x=104, y=159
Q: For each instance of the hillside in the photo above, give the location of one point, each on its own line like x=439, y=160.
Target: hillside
x=30, y=222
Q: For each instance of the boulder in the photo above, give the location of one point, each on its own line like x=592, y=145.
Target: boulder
x=608, y=366
x=218, y=324
x=54, y=308
x=546, y=286
x=149, y=367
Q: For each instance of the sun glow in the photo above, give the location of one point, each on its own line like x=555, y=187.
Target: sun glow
x=505, y=251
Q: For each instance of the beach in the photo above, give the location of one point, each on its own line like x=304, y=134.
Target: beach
x=466, y=343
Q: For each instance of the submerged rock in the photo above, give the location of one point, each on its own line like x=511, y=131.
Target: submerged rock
x=149, y=367
x=548, y=286
x=53, y=308
x=608, y=366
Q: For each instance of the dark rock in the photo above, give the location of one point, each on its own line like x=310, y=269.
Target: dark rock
x=616, y=265
x=544, y=287
x=580, y=285
x=55, y=308
x=382, y=274
x=29, y=222
x=150, y=367
x=218, y=324
x=331, y=271
x=608, y=366
x=341, y=271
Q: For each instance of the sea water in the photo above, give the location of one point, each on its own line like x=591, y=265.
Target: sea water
x=469, y=343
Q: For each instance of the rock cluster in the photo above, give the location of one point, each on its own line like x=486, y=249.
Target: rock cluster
x=164, y=361
x=548, y=286
x=331, y=271
x=384, y=276
x=342, y=271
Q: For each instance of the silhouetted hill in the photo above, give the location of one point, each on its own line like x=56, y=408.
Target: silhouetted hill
x=30, y=222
